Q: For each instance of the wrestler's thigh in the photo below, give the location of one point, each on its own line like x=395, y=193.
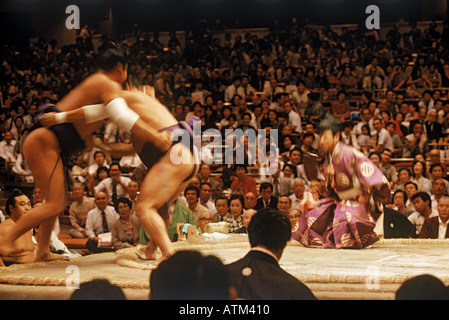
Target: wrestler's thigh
x=165, y=180
x=41, y=153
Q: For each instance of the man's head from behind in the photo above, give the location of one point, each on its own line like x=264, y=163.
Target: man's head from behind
x=271, y=229
x=188, y=275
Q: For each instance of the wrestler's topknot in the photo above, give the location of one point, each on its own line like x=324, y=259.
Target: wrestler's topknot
x=329, y=122
x=112, y=54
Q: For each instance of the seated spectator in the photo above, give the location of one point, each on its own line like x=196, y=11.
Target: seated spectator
x=99, y=161
x=258, y=276
x=374, y=156
x=399, y=201
x=206, y=278
x=7, y=146
x=363, y=140
x=435, y=157
x=419, y=177
x=222, y=206
x=410, y=189
x=236, y=205
x=423, y=287
x=204, y=176
x=423, y=206
x=21, y=169
x=284, y=204
x=416, y=142
x=438, y=191
x=298, y=196
x=340, y=107
x=382, y=139
x=436, y=172
x=296, y=160
x=115, y=186
x=436, y=227
x=179, y=214
x=387, y=168
x=192, y=194
x=266, y=198
x=294, y=119
x=92, y=181
x=398, y=145
x=99, y=221
x=243, y=182
x=133, y=194
x=404, y=176
x=250, y=200
x=78, y=210
x=206, y=199
x=286, y=180
x=23, y=248
x=247, y=215
x=205, y=217
x=125, y=231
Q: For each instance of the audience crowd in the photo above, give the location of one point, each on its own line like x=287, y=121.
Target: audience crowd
x=392, y=95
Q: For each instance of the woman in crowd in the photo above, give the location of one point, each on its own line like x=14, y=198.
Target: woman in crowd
x=125, y=231
x=236, y=205
x=419, y=177
x=399, y=201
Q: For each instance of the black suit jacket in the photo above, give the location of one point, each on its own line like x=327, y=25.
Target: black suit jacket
x=258, y=276
x=273, y=203
x=396, y=225
x=433, y=132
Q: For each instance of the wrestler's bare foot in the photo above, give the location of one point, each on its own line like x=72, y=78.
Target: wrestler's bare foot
x=157, y=262
x=149, y=250
x=50, y=257
x=1, y=263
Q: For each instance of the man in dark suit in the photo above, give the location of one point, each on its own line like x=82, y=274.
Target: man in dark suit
x=266, y=200
x=258, y=276
x=436, y=227
x=432, y=128
x=422, y=116
x=395, y=225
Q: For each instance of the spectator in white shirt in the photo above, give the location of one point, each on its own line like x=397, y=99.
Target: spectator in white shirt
x=294, y=119
x=100, y=161
x=7, y=147
x=206, y=197
x=436, y=227
x=115, y=186
x=423, y=207
x=94, y=221
x=384, y=139
x=231, y=90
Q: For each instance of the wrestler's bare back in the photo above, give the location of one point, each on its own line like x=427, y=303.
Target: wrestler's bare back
x=151, y=111
x=97, y=88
